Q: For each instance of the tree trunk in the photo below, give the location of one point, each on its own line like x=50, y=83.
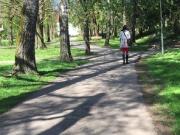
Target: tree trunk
x=65, y=51
x=108, y=27
x=86, y=35
x=41, y=24
x=11, y=31
x=124, y=12
x=108, y=30
x=96, y=29
x=115, y=31
x=134, y=21
x=48, y=33
x=25, y=52
x=177, y=25
x=10, y=17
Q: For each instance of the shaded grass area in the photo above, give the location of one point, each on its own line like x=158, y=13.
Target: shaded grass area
x=162, y=89
x=142, y=44
x=14, y=90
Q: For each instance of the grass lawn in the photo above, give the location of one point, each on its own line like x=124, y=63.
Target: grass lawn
x=4, y=42
x=8, y=54
x=164, y=69
x=15, y=89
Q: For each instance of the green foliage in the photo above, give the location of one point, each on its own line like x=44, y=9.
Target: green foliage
x=165, y=69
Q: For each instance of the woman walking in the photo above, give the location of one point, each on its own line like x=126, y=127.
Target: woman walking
x=124, y=45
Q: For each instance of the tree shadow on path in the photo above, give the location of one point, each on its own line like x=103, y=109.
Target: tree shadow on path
x=79, y=112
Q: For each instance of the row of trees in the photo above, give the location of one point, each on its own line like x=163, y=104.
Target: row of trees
x=36, y=19
x=108, y=16
x=29, y=23
x=11, y=17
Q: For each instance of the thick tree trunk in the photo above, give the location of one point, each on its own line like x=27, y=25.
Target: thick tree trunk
x=65, y=51
x=133, y=37
x=25, y=52
x=86, y=35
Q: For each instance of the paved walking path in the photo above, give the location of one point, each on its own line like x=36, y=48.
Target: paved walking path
x=100, y=98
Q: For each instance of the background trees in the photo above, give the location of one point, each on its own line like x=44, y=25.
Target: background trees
x=93, y=17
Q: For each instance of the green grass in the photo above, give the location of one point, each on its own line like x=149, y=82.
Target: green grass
x=7, y=54
x=4, y=42
x=77, y=38
x=114, y=43
x=166, y=69
x=15, y=89
x=142, y=44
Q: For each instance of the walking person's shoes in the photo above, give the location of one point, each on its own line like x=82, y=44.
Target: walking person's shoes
x=123, y=56
x=127, y=57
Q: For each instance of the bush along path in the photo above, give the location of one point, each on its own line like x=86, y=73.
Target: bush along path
x=99, y=98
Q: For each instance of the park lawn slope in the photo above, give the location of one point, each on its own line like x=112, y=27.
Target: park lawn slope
x=14, y=90
x=164, y=75
x=142, y=44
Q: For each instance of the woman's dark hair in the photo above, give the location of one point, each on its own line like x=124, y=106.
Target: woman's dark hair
x=124, y=28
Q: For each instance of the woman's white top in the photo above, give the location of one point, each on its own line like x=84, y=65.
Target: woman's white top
x=124, y=36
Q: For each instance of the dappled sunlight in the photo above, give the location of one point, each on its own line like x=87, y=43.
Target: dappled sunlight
x=163, y=71
x=92, y=99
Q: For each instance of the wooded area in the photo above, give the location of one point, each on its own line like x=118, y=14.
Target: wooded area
x=94, y=17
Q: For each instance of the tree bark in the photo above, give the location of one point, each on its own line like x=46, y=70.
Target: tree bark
x=40, y=22
x=108, y=30
x=11, y=31
x=124, y=12
x=86, y=35
x=133, y=29
x=48, y=33
x=25, y=52
x=96, y=29
x=65, y=51
x=10, y=17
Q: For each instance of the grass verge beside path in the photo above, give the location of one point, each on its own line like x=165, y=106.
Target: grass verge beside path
x=8, y=54
x=14, y=90
x=142, y=44
x=162, y=89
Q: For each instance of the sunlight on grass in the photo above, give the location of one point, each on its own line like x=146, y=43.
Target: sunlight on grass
x=8, y=54
x=145, y=40
x=4, y=42
x=15, y=89
x=77, y=38
x=166, y=68
x=141, y=44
